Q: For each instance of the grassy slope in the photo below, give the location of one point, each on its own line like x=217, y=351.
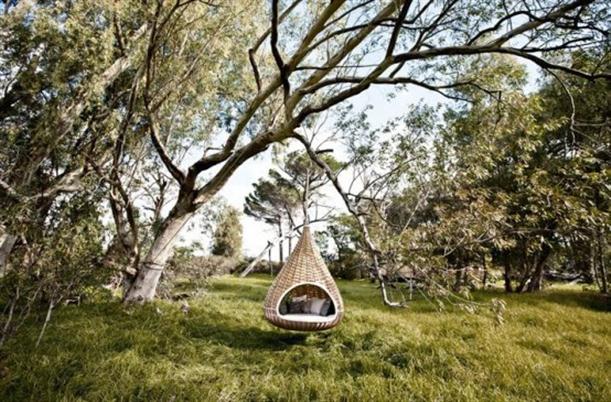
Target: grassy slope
x=555, y=347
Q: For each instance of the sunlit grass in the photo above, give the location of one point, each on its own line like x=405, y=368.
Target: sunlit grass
x=553, y=347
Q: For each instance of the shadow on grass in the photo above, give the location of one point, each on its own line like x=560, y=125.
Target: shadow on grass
x=242, y=337
x=245, y=291
x=591, y=301
x=567, y=298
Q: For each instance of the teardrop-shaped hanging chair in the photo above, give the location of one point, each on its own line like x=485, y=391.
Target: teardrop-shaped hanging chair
x=304, y=274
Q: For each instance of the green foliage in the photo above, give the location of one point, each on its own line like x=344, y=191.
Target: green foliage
x=342, y=248
x=513, y=178
x=553, y=347
x=227, y=237
x=64, y=265
x=529, y=180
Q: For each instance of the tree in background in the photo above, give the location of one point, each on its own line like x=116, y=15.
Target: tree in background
x=64, y=81
x=292, y=190
x=227, y=237
x=274, y=202
x=533, y=165
x=342, y=246
x=299, y=172
x=512, y=179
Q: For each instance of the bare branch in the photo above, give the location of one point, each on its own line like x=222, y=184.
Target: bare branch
x=253, y=50
x=372, y=248
x=397, y=28
x=282, y=68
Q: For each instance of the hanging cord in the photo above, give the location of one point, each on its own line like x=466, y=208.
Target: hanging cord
x=306, y=199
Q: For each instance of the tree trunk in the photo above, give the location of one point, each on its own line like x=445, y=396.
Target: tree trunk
x=525, y=270
x=7, y=241
x=123, y=253
x=507, y=276
x=592, y=266
x=144, y=286
x=280, y=243
x=601, y=263
x=537, y=276
x=485, y=269
x=458, y=279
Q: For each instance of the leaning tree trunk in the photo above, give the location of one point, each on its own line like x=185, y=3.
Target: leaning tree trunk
x=7, y=241
x=149, y=271
x=602, y=267
x=536, y=278
x=371, y=246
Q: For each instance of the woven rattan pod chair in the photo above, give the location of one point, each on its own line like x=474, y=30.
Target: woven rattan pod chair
x=305, y=273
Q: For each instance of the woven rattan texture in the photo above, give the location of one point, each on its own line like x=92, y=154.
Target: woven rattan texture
x=304, y=266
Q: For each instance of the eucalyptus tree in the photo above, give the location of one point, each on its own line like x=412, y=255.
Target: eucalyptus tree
x=579, y=152
x=384, y=164
x=332, y=51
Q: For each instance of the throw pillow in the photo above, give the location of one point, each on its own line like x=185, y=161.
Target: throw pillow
x=314, y=306
x=296, y=307
x=301, y=298
x=324, y=310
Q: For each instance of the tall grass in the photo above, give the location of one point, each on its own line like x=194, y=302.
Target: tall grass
x=555, y=346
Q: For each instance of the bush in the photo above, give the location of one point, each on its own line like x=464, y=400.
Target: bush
x=187, y=274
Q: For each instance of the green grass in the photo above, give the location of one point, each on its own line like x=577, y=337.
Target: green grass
x=555, y=346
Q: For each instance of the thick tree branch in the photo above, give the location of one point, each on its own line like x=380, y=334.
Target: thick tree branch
x=253, y=50
x=472, y=50
x=538, y=21
x=226, y=152
x=390, y=49
x=282, y=68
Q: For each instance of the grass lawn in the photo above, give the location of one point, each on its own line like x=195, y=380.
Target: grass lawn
x=555, y=346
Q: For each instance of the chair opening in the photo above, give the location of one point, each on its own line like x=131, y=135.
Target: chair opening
x=306, y=302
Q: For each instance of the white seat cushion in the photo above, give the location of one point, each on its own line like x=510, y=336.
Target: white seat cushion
x=307, y=317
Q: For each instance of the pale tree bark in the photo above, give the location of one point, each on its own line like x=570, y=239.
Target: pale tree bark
x=267, y=250
x=151, y=267
x=7, y=241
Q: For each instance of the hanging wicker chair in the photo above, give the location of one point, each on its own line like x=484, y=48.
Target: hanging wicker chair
x=305, y=273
